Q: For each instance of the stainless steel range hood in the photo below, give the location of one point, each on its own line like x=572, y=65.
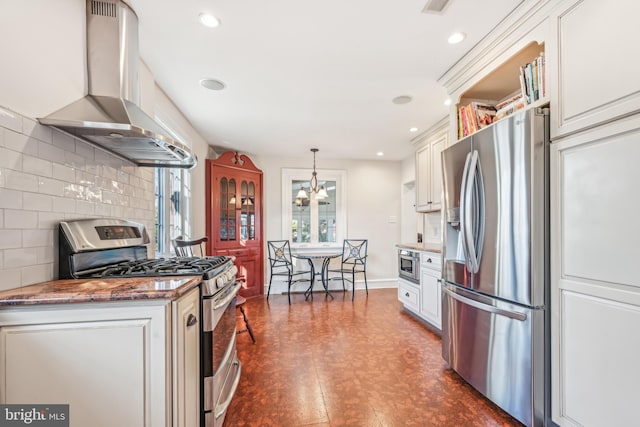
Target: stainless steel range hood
x=109, y=116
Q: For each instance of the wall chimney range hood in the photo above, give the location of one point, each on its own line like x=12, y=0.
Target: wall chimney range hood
x=109, y=115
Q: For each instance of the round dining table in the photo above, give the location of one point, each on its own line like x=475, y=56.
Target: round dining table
x=317, y=259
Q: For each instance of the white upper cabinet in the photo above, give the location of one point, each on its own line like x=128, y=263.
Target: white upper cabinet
x=429, y=169
x=593, y=46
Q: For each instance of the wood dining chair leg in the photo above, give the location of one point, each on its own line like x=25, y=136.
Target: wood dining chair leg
x=239, y=304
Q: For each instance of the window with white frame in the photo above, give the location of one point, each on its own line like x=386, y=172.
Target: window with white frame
x=173, y=204
x=314, y=218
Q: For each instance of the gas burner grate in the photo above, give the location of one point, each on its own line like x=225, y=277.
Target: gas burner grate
x=190, y=266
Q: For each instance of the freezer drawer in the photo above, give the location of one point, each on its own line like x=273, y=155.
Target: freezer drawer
x=497, y=347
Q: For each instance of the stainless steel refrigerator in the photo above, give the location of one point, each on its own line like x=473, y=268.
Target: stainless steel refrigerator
x=495, y=320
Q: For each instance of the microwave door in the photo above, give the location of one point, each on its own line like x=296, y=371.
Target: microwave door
x=455, y=165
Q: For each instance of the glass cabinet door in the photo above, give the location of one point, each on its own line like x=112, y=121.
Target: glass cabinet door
x=248, y=211
x=227, y=209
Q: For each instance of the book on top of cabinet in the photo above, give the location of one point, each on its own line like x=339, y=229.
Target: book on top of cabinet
x=474, y=115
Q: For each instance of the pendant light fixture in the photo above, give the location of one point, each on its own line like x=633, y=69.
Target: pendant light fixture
x=320, y=192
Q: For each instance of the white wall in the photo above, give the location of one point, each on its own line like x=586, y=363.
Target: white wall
x=373, y=204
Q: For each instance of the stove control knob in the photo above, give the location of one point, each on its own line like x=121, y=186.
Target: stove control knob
x=232, y=271
x=220, y=282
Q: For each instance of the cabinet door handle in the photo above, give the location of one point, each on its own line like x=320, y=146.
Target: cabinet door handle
x=407, y=295
x=191, y=320
x=429, y=260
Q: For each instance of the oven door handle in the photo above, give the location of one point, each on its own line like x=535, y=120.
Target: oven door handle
x=222, y=408
x=224, y=301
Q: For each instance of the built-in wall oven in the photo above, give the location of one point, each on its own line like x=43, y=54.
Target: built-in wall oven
x=114, y=248
x=409, y=265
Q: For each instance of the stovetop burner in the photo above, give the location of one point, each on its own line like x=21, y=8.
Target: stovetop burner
x=191, y=266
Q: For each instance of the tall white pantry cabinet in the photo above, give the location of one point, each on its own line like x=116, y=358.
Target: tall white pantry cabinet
x=595, y=206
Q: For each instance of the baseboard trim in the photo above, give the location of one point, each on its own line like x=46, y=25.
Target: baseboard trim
x=279, y=287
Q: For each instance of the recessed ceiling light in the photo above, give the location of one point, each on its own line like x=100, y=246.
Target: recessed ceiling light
x=212, y=84
x=379, y=154
x=447, y=102
x=413, y=130
x=456, y=38
x=208, y=20
x=402, y=99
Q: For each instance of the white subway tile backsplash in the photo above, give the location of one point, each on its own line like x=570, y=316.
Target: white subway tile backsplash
x=11, y=278
x=10, y=159
x=123, y=177
x=10, y=120
x=74, y=190
x=10, y=199
x=93, y=194
x=35, y=238
x=85, y=178
x=16, y=180
x=37, y=202
x=85, y=208
x=51, y=152
x=45, y=255
x=19, y=257
x=36, y=273
x=51, y=186
x=47, y=177
x=10, y=239
x=64, y=173
x=50, y=220
x=109, y=172
x=64, y=141
x=36, y=166
x=35, y=130
x=20, y=143
x=85, y=150
x=74, y=160
x=63, y=204
x=20, y=219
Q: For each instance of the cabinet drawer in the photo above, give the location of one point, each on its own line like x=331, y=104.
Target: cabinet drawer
x=409, y=295
x=430, y=260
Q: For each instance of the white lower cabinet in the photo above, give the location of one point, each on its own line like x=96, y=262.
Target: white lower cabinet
x=431, y=298
x=595, y=287
x=111, y=362
x=409, y=295
x=424, y=299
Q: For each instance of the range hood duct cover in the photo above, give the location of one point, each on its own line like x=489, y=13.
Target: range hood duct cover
x=110, y=116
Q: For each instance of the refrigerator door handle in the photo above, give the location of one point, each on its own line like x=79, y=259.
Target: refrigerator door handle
x=463, y=212
x=472, y=219
x=485, y=307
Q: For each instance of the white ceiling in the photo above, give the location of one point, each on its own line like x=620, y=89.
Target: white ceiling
x=302, y=74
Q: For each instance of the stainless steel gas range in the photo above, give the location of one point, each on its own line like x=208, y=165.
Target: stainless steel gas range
x=116, y=248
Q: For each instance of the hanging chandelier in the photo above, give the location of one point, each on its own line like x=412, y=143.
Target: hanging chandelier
x=320, y=192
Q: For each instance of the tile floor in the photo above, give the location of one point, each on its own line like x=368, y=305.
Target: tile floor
x=337, y=363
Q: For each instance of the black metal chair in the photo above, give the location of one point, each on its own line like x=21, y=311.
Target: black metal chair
x=354, y=260
x=281, y=263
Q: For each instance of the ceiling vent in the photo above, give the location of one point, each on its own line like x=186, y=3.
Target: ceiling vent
x=436, y=7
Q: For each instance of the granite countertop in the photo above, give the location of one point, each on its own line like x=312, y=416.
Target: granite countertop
x=100, y=290
x=426, y=247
